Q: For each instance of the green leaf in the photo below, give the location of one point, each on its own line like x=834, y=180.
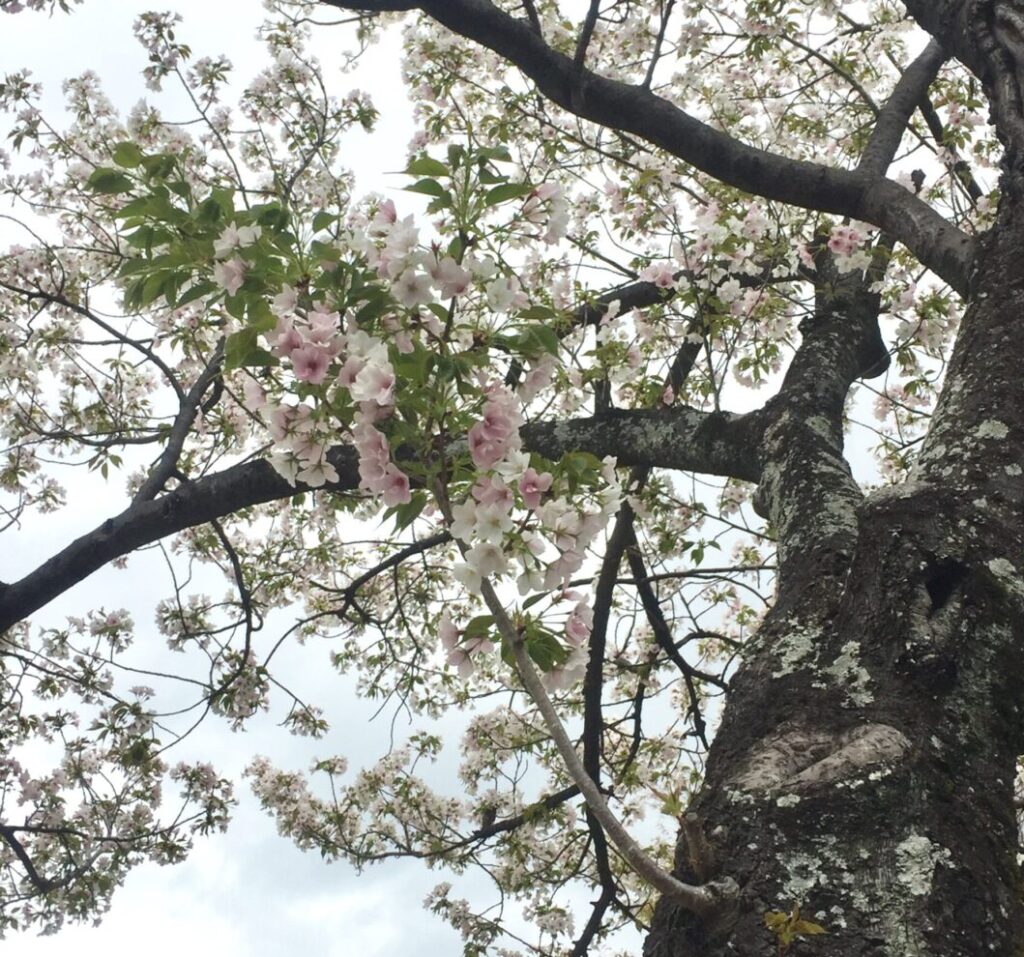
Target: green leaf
x=537, y=312
x=499, y=153
x=127, y=155
x=479, y=627
x=505, y=192
x=430, y=187
x=196, y=291
x=159, y=166
x=209, y=212
x=807, y=928
x=235, y=306
x=323, y=219
x=405, y=514
x=546, y=650
x=132, y=266
x=242, y=349
x=426, y=166
x=153, y=287
x=259, y=315
x=456, y=151
x=106, y=180
x=535, y=339
x=180, y=187
x=155, y=205
x=271, y=215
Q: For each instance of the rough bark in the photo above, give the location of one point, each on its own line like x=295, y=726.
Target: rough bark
x=864, y=768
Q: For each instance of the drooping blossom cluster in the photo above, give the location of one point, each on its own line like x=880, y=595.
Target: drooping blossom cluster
x=497, y=433
x=547, y=207
x=377, y=473
x=321, y=354
x=229, y=273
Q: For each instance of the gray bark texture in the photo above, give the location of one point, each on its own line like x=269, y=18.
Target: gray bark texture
x=864, y=769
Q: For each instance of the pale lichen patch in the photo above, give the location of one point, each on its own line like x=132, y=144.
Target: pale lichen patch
x=849, y=672
x=1002, y=568
x=795, y=647
x=803, y=872
x=992, y=429
x=916, y=859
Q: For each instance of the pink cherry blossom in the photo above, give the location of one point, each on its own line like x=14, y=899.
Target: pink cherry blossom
x=487, y=559
x=352, y=367
x=289, y=421
x=285, y=338
x=484, y=451
x=845, y=240
x=412, y=288
x=492, y=490
x=285, y=301
x=323, y=326
x=450, y=277
x=533, y=485
x=505, y=293
x=579, y=623
x=395, y=486
x=662, y=274
x=310, y=363
x=463, y=520
x=235, y=237
x=460, y=654
x=385, y=217
x=497, y=433
x=374, y=383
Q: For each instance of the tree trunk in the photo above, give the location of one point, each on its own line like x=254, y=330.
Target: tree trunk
x=864, y=771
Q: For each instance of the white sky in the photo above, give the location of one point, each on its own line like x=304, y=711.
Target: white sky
x=248, y=892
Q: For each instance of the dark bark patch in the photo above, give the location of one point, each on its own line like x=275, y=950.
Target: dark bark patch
x=944, y=577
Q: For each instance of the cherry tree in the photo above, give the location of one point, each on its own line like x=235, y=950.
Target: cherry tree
x=550, y=439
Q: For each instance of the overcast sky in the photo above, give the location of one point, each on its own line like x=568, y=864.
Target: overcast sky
x=248, y=892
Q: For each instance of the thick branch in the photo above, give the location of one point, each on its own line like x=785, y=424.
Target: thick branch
x=718, y=443
x=895, y=115
x=38, y=881
x=622, y=106
x=987, y=36
x=806, y=483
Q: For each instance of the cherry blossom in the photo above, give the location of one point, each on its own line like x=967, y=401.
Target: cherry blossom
x=230, y=275
x=235, y=237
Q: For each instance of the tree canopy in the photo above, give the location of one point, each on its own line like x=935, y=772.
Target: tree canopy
x=545, y=444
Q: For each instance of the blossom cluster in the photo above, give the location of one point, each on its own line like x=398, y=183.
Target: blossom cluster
x=845, y=244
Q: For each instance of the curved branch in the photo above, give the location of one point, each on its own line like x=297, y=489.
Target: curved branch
x=706, y=900
x=164, y=467
x=936, y=242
